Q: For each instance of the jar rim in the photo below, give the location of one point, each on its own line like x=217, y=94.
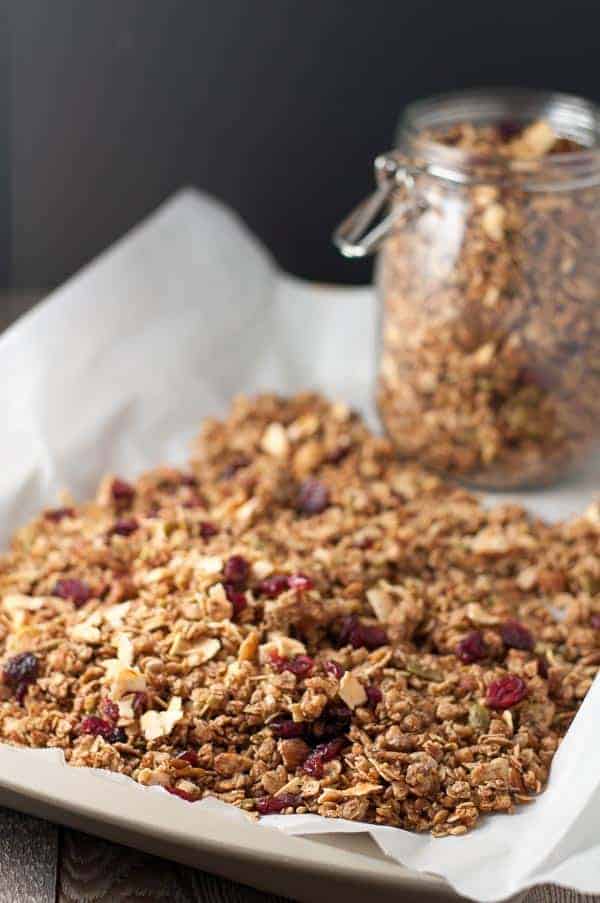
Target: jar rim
x=569, y=115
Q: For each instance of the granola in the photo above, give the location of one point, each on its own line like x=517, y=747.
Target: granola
x=490, y=365
x=300, y=623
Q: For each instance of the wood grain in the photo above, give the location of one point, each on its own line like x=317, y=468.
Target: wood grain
x=93, y=869
x=28, y=859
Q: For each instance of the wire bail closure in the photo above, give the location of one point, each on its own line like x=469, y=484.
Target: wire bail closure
x=356, y=236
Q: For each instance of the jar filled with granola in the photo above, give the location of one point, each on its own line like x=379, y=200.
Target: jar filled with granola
x=489, y=276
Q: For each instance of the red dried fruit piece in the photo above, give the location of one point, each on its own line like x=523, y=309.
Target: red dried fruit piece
x=543, y=666
x=334, y=668
x=21, y=669
x=236, y=463
x=117, y=735
x=286, y=729
x=182, y=794
x=471, y=648
x=110, y=710
x=505, y=692
x=313, y=497
x=58, y=514
x=122, y=493
x=236, y=597
x=595, y=621
x=508, y=129
x=516, y=636
x=194, y=500
x=207, y=530
x=272, y=805
x=300, y=582
x=140, y=702
x=301, y=665
x=374, y=696
x=190, y=756
x=97, y=727
x=77, y=591
x=325, y=752
x=236, y=570
x=355, y=633
x=338, y=454
x=124, y=527
x=273, y=586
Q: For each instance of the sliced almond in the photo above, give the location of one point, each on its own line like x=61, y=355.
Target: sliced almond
x=248, y=647
x=160, y=724
x=206, y=649
x=86, y=633
x=381, y=602
x=330, y=795
x=275, y=441
x=351, y=691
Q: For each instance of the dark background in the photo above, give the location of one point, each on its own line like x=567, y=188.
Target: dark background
x=275, y=106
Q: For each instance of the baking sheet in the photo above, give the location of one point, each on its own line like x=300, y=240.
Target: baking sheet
x=115, y=370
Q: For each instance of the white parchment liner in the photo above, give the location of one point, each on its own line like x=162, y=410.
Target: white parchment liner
x=115, y=370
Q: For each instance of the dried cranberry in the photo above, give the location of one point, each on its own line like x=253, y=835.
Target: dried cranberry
x=334, y=668
x=505, y=692
x=236, y=570
x=286, y=729
x=543, y=666
x=76, y=590
x=124, y=527
x=357, y=634
x=472, y=647
x=190, y=756
x=97, y=727
x=57, y=514
x=110, y=710
x=374, y=696
x=21, y=670
x=516, y=636
x=334, y=721
x=273, y=586
x=140, y=702
x=313, y=497
x=123, y=493
x=272, y=805
x=188, y=479
x=595, y=621
x=301, y=665
x=207, y=530
x=508, y=129
x=338, y=454
x=21, y=691
x=182, y=794
x=236, y=463
x=300, y=582
x=325, y=752
x=236, y=597
x=194, y=500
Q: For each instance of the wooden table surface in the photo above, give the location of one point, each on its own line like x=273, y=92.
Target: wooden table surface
x=44, y=863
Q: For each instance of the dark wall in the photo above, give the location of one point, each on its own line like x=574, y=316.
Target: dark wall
x=275, y=106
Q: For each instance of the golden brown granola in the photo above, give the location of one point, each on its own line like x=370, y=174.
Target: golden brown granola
x=490, y=364
x=301, y=623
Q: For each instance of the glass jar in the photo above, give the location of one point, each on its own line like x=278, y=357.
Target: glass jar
x=489, y=277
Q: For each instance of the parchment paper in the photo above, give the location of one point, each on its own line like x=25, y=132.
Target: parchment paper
x=115, y=370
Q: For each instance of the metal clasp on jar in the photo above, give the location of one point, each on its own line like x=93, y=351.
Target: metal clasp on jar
x=360, y=233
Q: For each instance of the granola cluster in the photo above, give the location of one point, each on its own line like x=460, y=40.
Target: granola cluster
x=300, y=623
x=490, y=364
